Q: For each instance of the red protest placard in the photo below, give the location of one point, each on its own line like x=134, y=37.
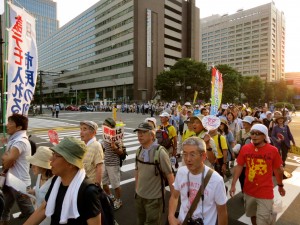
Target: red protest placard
x=53, y=136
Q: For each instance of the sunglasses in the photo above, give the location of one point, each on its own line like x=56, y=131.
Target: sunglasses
x=256, y=133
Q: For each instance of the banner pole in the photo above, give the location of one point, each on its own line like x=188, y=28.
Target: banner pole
x=4, y=84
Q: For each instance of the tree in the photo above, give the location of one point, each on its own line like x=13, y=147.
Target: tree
x=252, y=88
x=231, y=83
x=281, y=91
x=185, y=73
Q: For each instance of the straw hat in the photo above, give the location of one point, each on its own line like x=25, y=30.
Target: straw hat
x=41, y=158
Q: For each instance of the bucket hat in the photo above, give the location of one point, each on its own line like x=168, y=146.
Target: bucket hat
x=72, y=150
x=248, y=119
x=224, y=121
x=41, y=158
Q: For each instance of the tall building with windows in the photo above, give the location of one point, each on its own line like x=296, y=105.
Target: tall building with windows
x=116, y=48
x=251, y=41
x=45, y=12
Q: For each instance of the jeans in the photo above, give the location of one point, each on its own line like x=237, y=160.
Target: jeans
x=24, y=203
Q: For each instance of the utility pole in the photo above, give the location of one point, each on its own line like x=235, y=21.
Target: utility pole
x=42, y=73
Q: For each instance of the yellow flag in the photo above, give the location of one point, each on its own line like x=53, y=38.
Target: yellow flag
x=195, y=96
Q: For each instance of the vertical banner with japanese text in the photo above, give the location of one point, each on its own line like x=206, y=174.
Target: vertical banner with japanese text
x=22, y=61
x=216, y=91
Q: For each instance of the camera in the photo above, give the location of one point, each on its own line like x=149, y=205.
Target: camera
x=197, y=221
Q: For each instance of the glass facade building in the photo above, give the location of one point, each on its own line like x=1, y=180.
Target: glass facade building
x=116, y=48
x=45, y=12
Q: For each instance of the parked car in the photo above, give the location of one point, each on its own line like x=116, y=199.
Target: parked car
x=85, y=108
x=72, y=108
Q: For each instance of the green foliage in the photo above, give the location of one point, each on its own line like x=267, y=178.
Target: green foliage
x=281, y=90
x=252, y=88
x=281, y=105
x=185, y=73
x=231, y=83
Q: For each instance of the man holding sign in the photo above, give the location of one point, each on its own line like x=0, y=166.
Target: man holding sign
x=112, y=146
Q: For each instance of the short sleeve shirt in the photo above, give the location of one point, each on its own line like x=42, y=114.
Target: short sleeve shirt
x=223, y=144
x=260, y=163
x=92, y=158
x=92, y=205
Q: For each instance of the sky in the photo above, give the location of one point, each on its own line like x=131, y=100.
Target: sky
x=69, y=9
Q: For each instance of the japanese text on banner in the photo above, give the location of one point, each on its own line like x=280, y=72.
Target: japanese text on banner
x=22, y=61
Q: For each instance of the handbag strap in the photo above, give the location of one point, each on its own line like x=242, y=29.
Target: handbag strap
x=197, y=198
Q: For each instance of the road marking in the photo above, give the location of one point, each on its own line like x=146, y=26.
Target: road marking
x=292, y=189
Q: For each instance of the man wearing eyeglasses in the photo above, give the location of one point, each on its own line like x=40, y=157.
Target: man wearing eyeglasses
x=188, y=181
x=149, y=197
x=261, y=159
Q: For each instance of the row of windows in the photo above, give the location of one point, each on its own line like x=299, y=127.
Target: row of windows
x=112, y=9
x=232, y=28
x=99, y=70
x=73, y=61
x=114, y=27
x=105, y=78
x=122, y=13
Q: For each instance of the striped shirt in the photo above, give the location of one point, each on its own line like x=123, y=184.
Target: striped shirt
x=110, y=157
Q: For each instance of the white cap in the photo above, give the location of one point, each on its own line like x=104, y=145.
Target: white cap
x=164, y=114
x=187, y=104
x=248, y=119
x=268, y=112
x=151, y=119
x=262, y=128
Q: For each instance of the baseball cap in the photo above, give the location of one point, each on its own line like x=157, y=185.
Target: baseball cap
x=151, y=119
x=262, y=128
x=144, y=127
x=187, y=104
x=72, y=150
x=91, y=124
x=164, y=114
x=110, y=122
x=199, y=117
x=248, y=119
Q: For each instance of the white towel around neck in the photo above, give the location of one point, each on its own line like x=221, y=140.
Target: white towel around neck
x=69, y=207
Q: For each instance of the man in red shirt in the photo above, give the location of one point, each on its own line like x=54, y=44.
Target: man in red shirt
x=261, y=159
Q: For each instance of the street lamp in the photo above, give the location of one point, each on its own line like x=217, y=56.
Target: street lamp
x=41, y=73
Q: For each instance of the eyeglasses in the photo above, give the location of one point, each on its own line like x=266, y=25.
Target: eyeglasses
x=55, y=155
x=256, y=133
x=192, y=155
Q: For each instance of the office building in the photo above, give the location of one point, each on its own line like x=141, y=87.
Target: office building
x=45, y=12
x=116, y=48
x=251, y=41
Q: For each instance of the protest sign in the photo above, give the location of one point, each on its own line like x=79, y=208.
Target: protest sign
x=53, y=136
x=211, y=122
x=113, y=134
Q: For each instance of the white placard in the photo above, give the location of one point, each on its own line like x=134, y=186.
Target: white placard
x=113, y=134
x=211, y=122
x=149, y=38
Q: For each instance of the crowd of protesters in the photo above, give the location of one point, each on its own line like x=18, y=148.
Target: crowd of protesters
x=255, y=141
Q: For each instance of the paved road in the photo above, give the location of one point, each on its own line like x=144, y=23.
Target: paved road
x=67, y=125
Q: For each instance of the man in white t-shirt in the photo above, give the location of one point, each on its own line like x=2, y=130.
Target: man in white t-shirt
x=188, y=180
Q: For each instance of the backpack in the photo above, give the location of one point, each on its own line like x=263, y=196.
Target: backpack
x=107, y=205
x=32, y=144
x=162, y=136
x=229, y=154
x=158, y=171
x=123, y=155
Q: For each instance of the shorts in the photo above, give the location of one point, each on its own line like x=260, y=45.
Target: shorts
x=111, y=175
x=261, y=208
